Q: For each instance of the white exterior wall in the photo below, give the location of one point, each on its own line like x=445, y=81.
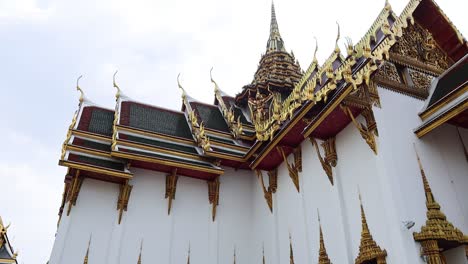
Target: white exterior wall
x=390, y=184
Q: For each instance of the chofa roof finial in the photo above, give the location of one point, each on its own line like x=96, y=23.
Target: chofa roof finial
x=213, y=81
x=184, y=94
x=79, y=89
x=316, y=49
x=117, y=95
x=337, y=48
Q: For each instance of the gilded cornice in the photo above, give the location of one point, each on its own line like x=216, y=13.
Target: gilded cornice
x=437, y=227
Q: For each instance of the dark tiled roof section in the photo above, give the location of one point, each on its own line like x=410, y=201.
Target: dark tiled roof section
x=451, y=80
x=4, y=253
x=230, y=102
x=228, y=152
x=97, y=162
x=155, y=119
x=211, y=116
x=228, y=141
x=161, y=144
x=154, y=155
x=97, y=120
x=91, y=144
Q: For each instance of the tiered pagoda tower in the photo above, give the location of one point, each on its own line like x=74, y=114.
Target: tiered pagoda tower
x=249, y=171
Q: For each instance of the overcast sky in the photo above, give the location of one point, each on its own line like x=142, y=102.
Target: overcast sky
x=46, y=44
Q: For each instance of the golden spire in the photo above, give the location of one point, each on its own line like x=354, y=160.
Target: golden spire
x=275, y=42
x=79, y=89
x=141, y=249
x=368, y=248
x=85, y=261
x=337, y=48
x=323, y=256
x=188, y=255
x=436, y=229
x=291, y=252
x=117, y=95
x=263, y=253
x=234, y=254
x=184, y=94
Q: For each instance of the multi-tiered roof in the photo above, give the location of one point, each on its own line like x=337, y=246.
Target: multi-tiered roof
x=276, y=112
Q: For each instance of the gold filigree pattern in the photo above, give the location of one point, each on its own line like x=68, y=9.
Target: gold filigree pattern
x=368, y=248
x=419, y=44
x=213, y=196
x=171, y=186
x=124, y=196
x=388, y=71
x=86, y=257
x=3, y=231
x=273, y=180
x=437, y=229
x=421, y=81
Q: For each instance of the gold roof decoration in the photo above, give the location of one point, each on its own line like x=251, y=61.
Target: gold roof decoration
x=3, y=231
x=78, y=88
x=368, y=248
x=114, y=83
x=235, y=126
x=323, y=255
x=437, y=227
x=337, y=48
x=184, y=94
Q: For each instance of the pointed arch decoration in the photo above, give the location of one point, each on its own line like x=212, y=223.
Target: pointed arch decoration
x=368, y=248
x=323, y=255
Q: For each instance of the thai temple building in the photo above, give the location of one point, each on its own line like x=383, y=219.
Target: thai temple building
x=7, y=255
x=359, y=159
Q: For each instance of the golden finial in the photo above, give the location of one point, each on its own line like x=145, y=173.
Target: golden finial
x=184, y=94
x=337, y=48
x=79, y=89
x=291, y=252
x=85, y=261
x=117, y=95
x=141, y=249
x=388, y=7
x=188, y=255
x=213, y=81
x=316, y=49
x=263, y=252
x=234, y=254
x=323, y=255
